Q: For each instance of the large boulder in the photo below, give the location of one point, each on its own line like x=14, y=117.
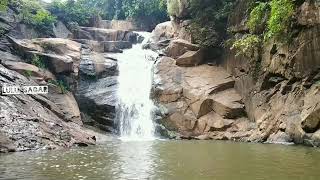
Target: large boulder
x=190, y=58
x=29, y=70
x=99, y=34
x=171, y=30
x=162, y=32
x=62, y=104
x=97, y=100
x=316, y=138
x=178, y=47
x=61, y=55
x=201, y=107
x=91, y=45
x=126, y=25
x=311, y=123
x=213, y=122
x=96, y=65
x=105, y=46
x=279, y=138
x=190, y=97
x=227, y=104
x=61, y=31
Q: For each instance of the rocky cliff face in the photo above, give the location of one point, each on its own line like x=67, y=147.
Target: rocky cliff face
x=29, y=122
x=274, y=98
x=81, y=73
x=283, y=97
x=40, y=121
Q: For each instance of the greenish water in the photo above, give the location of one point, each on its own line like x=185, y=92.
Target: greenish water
x=167, y=160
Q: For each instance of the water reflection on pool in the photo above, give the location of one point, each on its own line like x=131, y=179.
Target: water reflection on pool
x=166, y=160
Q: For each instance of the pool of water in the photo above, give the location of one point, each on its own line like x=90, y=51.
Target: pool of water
x=167, y=160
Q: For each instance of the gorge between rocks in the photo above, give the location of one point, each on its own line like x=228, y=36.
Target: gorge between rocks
x=138, y=153
x=160, y=89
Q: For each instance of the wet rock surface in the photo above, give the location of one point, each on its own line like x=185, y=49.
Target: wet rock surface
x=97, y=100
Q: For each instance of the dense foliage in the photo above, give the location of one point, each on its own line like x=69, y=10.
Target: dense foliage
x=257, y=16
x=279, y=13
x=81, y=11
x=72, y=11
x=280, y=18
x=276, y=14
x=3, y=5
x=247, y=45
x=32, y=13
x=173, y=7
x=209, y=20
x=142, y=8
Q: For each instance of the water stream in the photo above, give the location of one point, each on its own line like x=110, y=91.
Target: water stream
x=135, y=108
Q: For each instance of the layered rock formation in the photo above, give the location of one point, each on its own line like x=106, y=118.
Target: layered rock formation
x=80, y=73
x=274, y=98
x=96, y=91
x=278, y=97
x=126, y=25
x=39, y=121
x=200, y=101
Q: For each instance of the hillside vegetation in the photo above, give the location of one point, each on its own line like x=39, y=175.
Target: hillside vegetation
x=41, y=15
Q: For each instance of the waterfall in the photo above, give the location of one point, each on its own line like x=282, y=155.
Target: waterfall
x=135, y=108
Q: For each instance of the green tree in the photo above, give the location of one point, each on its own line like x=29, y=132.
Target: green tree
x=256, y=16
x=81, y=11
x=280, y=18
x=72, y=11
x=173, y=7
x=3, y=5
x=209, y=21
x=247, y=45
x=32, y=13
x=154, y=11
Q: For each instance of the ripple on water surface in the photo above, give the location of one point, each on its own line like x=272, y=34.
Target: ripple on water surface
x=166, y=160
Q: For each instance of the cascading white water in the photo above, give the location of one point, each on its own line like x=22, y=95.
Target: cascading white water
x=134, y=109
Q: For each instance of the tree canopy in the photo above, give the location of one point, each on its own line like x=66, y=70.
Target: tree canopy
x=81, y=11
x=3, y=5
